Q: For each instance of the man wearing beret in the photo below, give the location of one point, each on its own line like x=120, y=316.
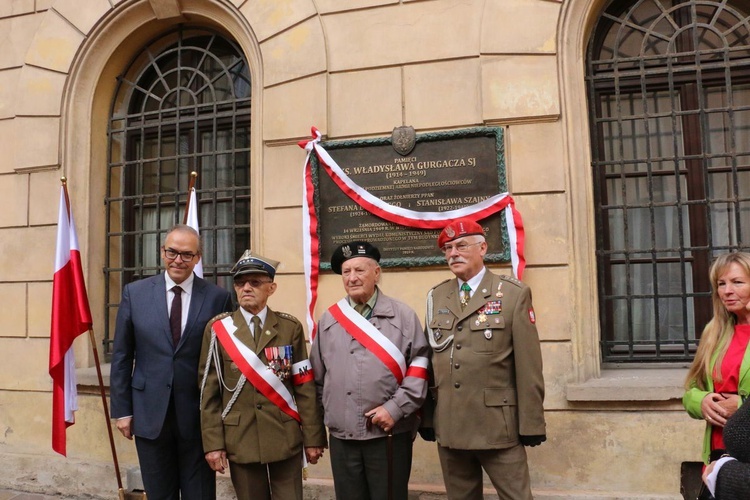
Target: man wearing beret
x=487, y=368
x=258, y=406
x=370, y=362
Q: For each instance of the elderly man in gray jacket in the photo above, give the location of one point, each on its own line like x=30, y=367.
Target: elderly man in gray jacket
x=370, y=362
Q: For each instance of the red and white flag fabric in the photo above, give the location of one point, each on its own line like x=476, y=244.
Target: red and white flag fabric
x=392, y=213
x=192, y=221
x=71, y=317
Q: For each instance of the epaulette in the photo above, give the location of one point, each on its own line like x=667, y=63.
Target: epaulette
x=287, y=316
x=442, y=282
x=511, y=279
x=219, y=316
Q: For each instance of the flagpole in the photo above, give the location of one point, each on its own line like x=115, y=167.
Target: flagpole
x=92, y=338
x=191, y=185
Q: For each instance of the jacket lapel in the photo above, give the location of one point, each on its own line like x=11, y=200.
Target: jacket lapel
x=478, y=298
x=243, y=332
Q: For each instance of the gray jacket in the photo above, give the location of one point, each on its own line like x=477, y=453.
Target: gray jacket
x=351, y=380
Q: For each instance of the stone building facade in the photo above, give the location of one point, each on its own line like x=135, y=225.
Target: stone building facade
x=354, y=69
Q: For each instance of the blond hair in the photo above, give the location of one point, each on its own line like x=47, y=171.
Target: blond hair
x=718, y=333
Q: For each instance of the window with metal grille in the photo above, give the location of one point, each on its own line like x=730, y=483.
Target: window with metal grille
x=669, y=107
x=182, y=105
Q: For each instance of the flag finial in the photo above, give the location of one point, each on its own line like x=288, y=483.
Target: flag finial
x=193, y=174
x=64, y=179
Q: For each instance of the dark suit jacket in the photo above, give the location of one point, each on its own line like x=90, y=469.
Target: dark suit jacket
x=146, y=370
x=733, y=481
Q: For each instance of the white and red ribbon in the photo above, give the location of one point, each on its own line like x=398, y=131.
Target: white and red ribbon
x=374, y=341
x=302, y=372
x=391, y=213
x=251, y=366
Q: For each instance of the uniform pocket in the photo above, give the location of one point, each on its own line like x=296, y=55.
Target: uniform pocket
x=502, y=406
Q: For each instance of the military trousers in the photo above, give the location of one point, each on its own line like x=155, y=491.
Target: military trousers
x=507, y=469
x=280, y=480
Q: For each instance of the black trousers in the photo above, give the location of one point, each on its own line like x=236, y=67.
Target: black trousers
x=172, y=465
x=360, y=468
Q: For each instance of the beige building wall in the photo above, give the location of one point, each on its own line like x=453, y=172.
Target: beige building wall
x=354, y=69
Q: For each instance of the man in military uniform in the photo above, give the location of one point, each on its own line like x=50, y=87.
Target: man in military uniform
x=370, y=361
x=258, y=406
x=487, y=368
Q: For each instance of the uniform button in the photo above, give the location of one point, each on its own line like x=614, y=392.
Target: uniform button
x=349, y=393
x=505, y=400
x=460, y=327
x=169, y=386
x=457, y=385
x=351, y=352
x=259, y=406
x=458, y=346
x=457, y=366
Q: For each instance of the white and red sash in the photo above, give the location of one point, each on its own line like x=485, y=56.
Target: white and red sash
x=381, y=346
x=251, y=366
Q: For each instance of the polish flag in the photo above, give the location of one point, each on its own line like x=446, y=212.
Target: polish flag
x=71, y=317
x=192, y=220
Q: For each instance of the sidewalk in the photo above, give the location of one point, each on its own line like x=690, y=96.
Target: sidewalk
x=20, y=495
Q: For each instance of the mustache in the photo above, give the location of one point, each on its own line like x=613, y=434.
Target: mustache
x=456, y=260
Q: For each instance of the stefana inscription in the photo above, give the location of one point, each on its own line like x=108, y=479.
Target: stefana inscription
x=444, y=171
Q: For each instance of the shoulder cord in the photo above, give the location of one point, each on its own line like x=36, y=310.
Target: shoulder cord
x=213, y=354
x=437, y=347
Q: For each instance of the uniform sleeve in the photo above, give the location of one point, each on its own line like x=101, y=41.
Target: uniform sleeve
x=410, y=396
x=313, y=431
x=528, y=362
x=212, y=427
x=123, y=354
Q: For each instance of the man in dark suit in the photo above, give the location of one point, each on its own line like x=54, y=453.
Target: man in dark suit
x=487, y=365
x=154, y=373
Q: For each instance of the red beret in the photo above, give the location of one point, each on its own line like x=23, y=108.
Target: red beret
x=458, y=229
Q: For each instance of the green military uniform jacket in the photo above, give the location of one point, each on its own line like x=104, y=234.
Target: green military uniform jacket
x=489, y=386
x=255, y=430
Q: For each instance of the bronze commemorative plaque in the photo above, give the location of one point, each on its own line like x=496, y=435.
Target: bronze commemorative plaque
x=433, y=172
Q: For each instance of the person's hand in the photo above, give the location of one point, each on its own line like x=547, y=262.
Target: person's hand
x=730, y=404
x=217, y=460
x=532, y=440
x=314, y=453
x=125, y=426
x=713, y=408
x=379, y=416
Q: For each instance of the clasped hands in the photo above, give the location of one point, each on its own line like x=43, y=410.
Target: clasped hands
x=716, y=407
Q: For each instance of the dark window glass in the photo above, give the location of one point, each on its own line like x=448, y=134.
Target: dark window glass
x=669, y=103
x=182, y=106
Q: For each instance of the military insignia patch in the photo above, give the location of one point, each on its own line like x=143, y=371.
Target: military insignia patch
x=532, y=316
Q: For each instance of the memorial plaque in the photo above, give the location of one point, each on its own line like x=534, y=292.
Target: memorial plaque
x=443, y=171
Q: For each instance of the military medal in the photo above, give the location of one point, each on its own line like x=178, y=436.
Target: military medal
x=438, y=334
x=499, y=294
x=481, y=318
x=280, y=360
x=488, y=334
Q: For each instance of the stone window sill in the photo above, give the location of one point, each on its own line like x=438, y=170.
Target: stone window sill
x=631, y=384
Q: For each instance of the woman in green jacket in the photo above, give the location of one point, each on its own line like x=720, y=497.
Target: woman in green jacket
x=718, y=382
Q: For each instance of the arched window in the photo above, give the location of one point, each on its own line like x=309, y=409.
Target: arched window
x=182, y=105
x=669, y=106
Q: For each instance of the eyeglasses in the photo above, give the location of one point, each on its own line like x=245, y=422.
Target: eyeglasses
x=461, y=247
x=253, y=282
x=172, y=254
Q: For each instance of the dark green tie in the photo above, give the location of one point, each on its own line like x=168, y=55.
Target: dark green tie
x=465, y=294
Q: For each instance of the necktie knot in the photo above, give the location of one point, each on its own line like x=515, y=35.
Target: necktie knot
x=177, y=290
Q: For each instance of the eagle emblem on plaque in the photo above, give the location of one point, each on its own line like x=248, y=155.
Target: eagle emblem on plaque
x=403, y=140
